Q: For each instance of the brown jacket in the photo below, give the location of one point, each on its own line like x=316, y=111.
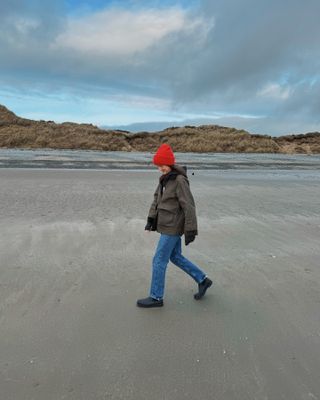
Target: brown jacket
x=174, y=211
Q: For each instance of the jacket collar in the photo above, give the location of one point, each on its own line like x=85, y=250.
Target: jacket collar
x=176, y=170
x=166, y=177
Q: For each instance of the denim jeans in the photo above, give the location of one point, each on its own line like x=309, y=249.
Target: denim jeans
x=169, y=249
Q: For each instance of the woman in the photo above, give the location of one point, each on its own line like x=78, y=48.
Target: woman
x=172, y=214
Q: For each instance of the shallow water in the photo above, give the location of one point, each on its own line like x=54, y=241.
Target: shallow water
x=93, y=159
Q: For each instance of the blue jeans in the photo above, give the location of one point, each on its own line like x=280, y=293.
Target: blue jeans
x=169, y=248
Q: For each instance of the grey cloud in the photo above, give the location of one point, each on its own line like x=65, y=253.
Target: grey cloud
x=248, y=45
x=251, y=45
x=26, y=29
x=254, y=43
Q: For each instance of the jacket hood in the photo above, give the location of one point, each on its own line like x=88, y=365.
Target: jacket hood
x=181, y=169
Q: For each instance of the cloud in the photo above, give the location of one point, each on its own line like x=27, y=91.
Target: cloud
x=132, y=49
x=36, y=20
x=115, y=32
x=227, y=57
x=275, y=91
x=254, y=43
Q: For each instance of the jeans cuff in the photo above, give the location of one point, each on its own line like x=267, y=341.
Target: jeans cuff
x=155, y=297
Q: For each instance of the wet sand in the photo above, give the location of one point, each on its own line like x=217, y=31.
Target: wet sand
x=75, y=257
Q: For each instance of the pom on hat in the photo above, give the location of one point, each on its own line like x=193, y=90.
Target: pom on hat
x=164, y=155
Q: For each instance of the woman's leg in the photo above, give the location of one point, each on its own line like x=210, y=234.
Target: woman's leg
x=182, y=262
x=159, y=264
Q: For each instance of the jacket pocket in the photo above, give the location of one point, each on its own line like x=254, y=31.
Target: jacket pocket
x=165, y=217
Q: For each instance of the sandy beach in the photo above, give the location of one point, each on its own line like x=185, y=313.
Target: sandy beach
x=75, y=257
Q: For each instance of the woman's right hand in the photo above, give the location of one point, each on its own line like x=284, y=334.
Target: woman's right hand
x=149, y=224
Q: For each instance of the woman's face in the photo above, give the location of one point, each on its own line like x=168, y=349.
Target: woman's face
x=164, y=169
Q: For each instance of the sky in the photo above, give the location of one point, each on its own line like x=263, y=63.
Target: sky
x=248, y=64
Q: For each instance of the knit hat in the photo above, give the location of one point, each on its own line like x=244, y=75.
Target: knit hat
x=164, y=155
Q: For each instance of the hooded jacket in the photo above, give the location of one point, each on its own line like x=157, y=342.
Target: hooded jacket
x=173, y=207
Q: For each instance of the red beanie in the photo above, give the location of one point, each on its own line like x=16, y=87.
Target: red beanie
x=164, y=155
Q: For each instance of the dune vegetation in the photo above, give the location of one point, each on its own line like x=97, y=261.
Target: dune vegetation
x=16, y=132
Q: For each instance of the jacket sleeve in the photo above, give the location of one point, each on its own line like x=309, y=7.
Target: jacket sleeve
x=187, y=203
x=153, y=211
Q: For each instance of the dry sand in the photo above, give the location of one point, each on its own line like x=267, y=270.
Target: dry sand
x=75, y=257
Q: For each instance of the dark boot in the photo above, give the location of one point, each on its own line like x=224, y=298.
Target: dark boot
x=203, y=286
x=149, y=302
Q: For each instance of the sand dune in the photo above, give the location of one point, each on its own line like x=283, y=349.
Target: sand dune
x=16, y=132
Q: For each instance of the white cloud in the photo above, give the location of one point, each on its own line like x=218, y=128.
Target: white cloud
x=119, y=32
x=275, y=91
